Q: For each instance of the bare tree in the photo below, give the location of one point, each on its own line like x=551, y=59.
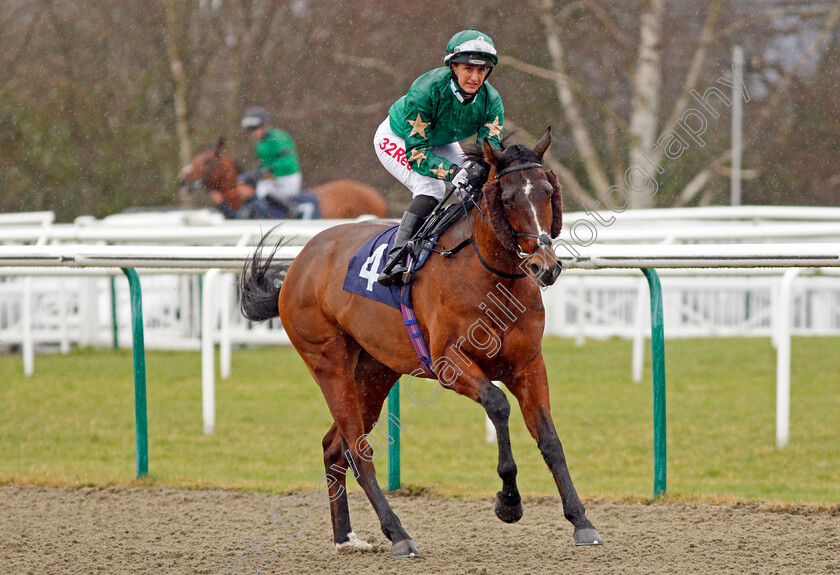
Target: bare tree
x=101, y=101
x=608, y=133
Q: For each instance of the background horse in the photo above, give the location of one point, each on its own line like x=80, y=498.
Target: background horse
x=214, y=169
x=356, y=348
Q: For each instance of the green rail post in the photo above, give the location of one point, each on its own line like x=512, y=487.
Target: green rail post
x=114, y=312
x=139, y=372
x=657, y=349
x=394, y=438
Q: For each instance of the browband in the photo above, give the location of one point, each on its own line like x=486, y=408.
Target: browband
x=517, y=168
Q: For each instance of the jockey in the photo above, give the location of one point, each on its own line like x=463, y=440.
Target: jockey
x=278, y=158
x=418, y=141
x=251, y=207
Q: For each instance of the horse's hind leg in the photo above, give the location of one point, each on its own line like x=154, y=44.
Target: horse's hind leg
x=336, y=468
x=335, y=373
x=373, y=381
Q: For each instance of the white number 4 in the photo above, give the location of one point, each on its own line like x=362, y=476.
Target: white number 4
x=368, y=270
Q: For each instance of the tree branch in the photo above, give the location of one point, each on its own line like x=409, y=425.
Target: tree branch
x=693, y=74
x=581, y=90
x=368, y=62
x=776, y=14
x=180, y=81
x=589, y=156
x=829, y=26
x=696, y=185
x=647, y=83
x=567, y=178
x=612, y=30
x=702, y=178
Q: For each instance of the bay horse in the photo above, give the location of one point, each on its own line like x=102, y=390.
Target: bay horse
x=214, y=169
x=356, y=348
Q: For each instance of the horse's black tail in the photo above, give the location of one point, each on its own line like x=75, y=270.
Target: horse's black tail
x=260, y=289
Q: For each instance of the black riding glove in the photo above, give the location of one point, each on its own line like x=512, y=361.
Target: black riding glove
x=469, y=175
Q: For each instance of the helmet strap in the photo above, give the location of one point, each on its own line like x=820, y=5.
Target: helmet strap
x=462, y=96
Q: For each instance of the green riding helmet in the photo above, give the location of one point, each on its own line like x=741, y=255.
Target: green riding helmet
x=471, y=47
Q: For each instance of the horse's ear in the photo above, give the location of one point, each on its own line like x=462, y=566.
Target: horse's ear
x=544, y=143
x=220, y=144
x=492, y=154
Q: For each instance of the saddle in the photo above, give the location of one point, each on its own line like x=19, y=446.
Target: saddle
x=364, y=268
x=366, y=263
x=425, y=240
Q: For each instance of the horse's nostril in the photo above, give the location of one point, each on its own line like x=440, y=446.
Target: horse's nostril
x=535, y=268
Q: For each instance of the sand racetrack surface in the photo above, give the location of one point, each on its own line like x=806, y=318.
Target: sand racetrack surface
x=150, y=530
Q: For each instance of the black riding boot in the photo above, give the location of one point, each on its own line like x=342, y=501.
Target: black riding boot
x=291, y=210
x=416, y=213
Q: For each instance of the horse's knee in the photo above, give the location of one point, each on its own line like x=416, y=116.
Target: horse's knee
x=495, y=403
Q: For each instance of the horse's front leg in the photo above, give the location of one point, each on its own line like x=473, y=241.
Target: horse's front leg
x=508, y=505
x=472, y=383
x=530, y=386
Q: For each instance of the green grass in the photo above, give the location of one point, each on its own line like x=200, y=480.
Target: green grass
x=72, y=423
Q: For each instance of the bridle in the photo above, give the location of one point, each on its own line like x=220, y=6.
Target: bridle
x=543, y=239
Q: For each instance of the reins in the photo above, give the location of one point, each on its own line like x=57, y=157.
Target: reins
x=471, y=240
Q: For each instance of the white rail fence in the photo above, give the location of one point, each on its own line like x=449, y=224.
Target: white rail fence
x=69, y=298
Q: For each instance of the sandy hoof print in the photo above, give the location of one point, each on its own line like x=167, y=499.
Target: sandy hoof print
x=353, y=544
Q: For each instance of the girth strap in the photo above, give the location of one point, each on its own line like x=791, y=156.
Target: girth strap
x=413, y=328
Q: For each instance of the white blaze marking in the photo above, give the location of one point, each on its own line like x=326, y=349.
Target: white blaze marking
x=528, y=189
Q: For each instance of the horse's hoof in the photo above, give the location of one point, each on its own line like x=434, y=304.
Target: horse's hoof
x=505, y=512
x=405, y=548
x=588, y=536
x=353, y=544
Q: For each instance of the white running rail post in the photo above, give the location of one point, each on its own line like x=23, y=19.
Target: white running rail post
x=224, y=326
x=208, y=374
x=639, y=331
x=28, y=347
x=784, y=322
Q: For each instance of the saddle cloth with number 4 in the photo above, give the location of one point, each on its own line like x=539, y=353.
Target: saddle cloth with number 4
x=367, y=263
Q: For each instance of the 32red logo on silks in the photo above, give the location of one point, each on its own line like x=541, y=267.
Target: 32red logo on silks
x=395, y=151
